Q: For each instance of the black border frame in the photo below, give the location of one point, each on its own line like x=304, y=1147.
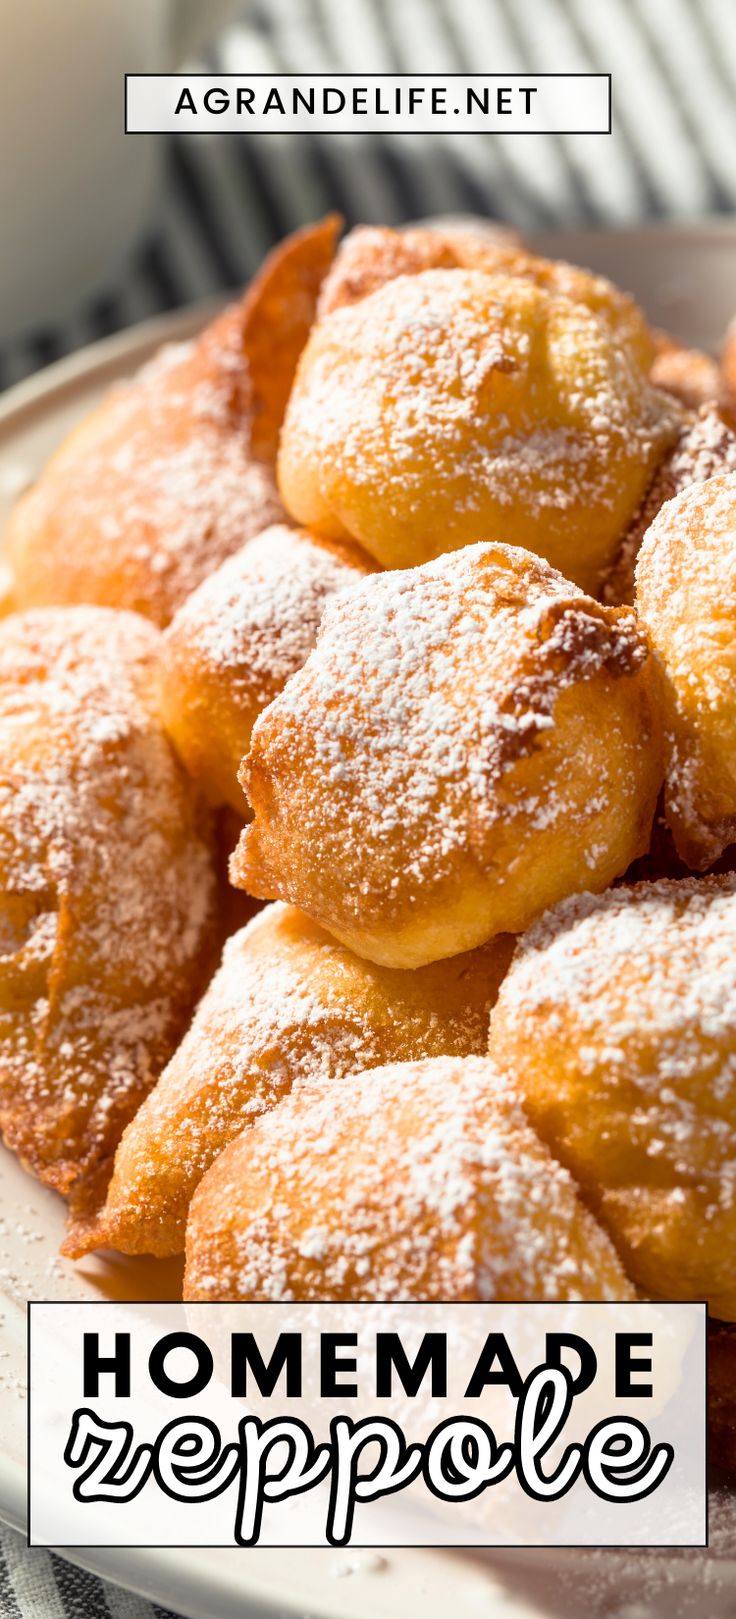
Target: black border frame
x=439, y=1545
x=345, y=75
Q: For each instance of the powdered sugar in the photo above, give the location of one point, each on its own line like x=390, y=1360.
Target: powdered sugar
x=453, y=404
x=108, y=885
x=639, y=986
x=287, y=1006
x=705, y=447
x=155, y=490
x=686, y=594
x=657, y=958
x=689, y=553
x=256, y=619
x=419, y=1180
x=439, y=347
x=425, y=690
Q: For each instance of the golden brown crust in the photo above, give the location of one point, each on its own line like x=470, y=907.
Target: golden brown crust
x=174, y=470
x=687, y=374
x=236, y=641
x=108, y=890
x=287, y=1006
x=461, y=745
x=417, y=1180
x=469, y=741
x=685, y=598
x=278, y=310
x=152, y=491
x=705, y=447
x=618, y=1019
x=452, y=405
x=372, y=255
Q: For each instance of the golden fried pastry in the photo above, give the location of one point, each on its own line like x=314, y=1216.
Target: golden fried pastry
x=288, y=1005
x=686, y=597
x=687, y=374
x=108, y=890
x=233, y=645
x=705, y=447
x=278, y=310
x=451, y=406
x=618, y=1020
x=419, y=1180
x=174, y=470
x=371, y=255
x=468, y=742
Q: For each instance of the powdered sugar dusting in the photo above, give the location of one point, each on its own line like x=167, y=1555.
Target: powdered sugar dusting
x=287, y=1006
x=437, y=350
x=425, y=689
x=451, y=398
x=154, y=491
x=705, y=447
x=677, y=939
x=417, y=1180
x=255, y=620
x=686, y=595
x=371, y=255
x=636, y=989
x=108, y=886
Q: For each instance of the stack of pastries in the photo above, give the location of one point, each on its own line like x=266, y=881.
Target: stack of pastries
x=412, y=584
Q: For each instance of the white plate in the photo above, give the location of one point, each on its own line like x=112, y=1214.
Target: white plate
x=669, y=270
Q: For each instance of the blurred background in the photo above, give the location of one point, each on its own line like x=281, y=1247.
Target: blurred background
x=101, y=229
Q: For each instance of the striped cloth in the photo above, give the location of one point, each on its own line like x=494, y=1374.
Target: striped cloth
x=36, y=1584
x=228, y=198
x=672, y=152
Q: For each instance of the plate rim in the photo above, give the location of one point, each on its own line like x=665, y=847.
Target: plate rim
x=49, y=385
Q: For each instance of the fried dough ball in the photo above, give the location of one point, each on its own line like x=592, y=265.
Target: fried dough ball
x=108, y=890
x=687, y=374
x=288, y=1005
x=233, y=645
x=705, y=447
x=152, y=491
x=371, y=255
x=468, y=742
x=174, y=470
x=417, y=1180
x=453, y=405
x=618, y=1019
x=686, y=597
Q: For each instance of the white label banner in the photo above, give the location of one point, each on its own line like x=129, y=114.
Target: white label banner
x=370, y=1425
x=347, y=103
